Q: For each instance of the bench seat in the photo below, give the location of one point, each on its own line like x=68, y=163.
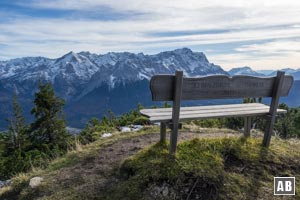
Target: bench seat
x=205, y=112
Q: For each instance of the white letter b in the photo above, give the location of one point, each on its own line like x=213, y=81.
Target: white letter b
x=288, y=186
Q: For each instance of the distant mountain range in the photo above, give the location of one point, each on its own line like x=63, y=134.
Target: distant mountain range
x=244, y=71
x=91, y=83
x=248, y=71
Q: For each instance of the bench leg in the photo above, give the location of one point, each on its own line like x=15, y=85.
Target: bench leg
x=173, y=139
x=162, y=132
x=247, y=126
x=269, y=131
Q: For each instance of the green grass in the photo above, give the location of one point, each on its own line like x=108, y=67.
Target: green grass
x=227, y=168
x=207, y=168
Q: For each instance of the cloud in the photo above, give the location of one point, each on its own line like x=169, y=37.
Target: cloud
x=279, y=47
x=271, y=62
x=243, y=30
x=266, y=55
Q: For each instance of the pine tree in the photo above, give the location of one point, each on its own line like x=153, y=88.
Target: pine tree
x=48, y=132
x=16, y=136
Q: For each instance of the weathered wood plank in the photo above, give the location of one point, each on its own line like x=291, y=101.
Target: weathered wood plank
x=213, y=115
x=195, y=112
x=213, y=107
x=208, y=112
x=217, y=87
x=209, y=109
x=176, y=110
x=203, y=109
x=273, y=108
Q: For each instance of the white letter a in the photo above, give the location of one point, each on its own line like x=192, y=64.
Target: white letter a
x=280, y=186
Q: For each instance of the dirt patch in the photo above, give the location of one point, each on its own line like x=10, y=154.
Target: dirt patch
x=91, y=178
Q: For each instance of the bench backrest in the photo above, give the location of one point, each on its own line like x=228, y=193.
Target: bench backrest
x=218, y=87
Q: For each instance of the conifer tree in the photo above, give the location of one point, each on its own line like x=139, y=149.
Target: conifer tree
x=48, y=132
x=16, y=135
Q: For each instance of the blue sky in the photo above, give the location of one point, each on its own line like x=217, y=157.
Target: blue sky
x=232, y=33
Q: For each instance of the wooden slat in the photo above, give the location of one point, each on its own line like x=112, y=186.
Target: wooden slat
x=205, y=107
x=217, y=87
x=232, y=113
x=200, y=111
x=216, y=108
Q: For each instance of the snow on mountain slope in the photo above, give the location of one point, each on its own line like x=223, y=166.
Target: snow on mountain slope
x=244, y=71
x=76, y=74
x=248, y=71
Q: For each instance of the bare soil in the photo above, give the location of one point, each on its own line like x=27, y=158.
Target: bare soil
x=93, y=176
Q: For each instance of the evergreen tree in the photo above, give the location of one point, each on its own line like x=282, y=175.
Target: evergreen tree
x=16, y=137
x=48, y=132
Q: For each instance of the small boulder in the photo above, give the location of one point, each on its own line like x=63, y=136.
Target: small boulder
x=35, y=182
x=125, y=129
x=104, y=135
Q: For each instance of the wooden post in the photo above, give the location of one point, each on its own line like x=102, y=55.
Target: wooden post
x=162, y=132
x=273, y=108
x=247, y=126
x=176, y=110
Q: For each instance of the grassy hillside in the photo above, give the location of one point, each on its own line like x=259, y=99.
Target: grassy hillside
x=209, y=164
x=215, y=168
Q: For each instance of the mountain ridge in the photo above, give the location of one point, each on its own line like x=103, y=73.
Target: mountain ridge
x=93, y=83
x=248, y=71
x=92, y=70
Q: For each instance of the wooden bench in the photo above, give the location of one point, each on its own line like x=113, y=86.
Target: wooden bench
x=177, y=88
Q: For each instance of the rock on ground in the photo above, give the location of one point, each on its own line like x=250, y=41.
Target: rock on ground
x=35, y=182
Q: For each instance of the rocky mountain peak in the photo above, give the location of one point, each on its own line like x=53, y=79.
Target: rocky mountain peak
x=82, y=72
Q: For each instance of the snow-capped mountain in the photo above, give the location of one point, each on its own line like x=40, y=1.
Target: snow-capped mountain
x=248, y=71
x=294, y=72
x=76, y=74
x=244, y=71
x=91, y=83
